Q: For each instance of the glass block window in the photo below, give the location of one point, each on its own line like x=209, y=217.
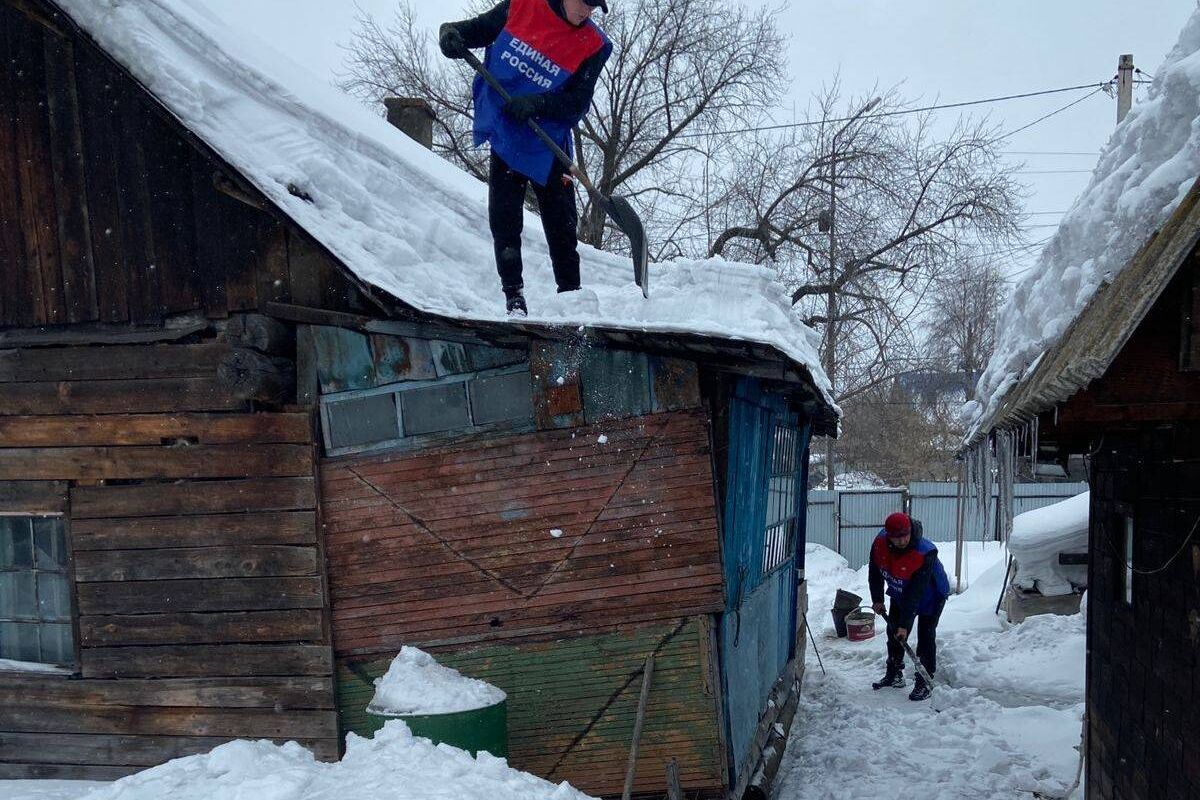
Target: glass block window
x=782, y=498
x=389, y=415
x=501, y=398
x=362, y=420
x=35, y=591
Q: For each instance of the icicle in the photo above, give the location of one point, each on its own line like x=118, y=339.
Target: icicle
x=1033, y=451
x=1006, y=458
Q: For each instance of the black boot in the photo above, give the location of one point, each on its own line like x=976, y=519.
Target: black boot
x=892, y=679
x=921, y=689
x=515, y=301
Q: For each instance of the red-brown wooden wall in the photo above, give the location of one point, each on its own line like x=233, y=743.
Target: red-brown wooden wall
x=455, y=544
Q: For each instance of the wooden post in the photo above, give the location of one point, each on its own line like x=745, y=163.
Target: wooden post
x=647, y=676
x=674, y=790
x=1124, y=86
x=960, y=508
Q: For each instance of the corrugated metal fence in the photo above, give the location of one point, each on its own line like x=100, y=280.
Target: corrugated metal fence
x=848, y=520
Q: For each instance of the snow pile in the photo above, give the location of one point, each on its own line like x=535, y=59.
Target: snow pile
x=416, y=683
x=395, y=765
x=1144, y=172
x=8, y=665
x=1039, y=536
x=1011, y=699
x=398, y=216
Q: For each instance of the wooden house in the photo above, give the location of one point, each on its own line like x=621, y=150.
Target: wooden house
x=236, y=475
x=1122, y=388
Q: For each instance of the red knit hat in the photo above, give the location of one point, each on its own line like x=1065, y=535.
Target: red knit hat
x=897, y=525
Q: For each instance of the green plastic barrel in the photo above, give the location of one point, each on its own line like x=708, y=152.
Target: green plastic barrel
x=483, y=729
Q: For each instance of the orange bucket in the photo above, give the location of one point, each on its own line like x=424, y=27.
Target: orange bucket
x=860, y=624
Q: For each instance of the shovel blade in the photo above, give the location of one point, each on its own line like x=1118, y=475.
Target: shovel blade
x=626, y=219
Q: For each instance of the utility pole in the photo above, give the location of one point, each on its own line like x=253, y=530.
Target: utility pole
x=1124, y=86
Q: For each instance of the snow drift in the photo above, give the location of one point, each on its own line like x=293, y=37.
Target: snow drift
x=395, y=765
x=1144, y=172
x=401, y=218
x=1039, y=536
x=416, y=683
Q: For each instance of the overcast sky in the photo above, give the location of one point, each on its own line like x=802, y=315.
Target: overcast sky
x=940, y=50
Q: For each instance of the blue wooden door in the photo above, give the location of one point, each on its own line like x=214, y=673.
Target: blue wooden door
x=762, y=534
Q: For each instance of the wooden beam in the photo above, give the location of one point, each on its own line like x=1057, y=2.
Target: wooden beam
x=97, y=334
x=33, y=497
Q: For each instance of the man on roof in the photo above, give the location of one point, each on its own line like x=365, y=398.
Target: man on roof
x=548, y=54
x=917, y=584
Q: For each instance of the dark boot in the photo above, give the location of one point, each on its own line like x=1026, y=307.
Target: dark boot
x=892, y=679
x=515, y=301
x=921, y=690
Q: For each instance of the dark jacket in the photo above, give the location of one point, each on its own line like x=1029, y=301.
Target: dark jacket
x=915, y=578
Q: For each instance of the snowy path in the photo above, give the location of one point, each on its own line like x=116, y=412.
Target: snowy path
x=1009, y=721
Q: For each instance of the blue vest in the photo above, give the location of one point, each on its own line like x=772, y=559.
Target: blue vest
x=898, y=568
x=537, y=52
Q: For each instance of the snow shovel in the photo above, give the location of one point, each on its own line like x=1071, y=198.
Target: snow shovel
x=908, y=649
x=617, y=208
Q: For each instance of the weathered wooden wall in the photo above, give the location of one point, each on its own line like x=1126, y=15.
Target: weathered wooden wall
x=1144, y=658
x=107, y=213
x=572, y=704
x=457, y=544
x=196, y=561
x=454, y=549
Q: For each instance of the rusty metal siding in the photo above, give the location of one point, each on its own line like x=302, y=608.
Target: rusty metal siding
x=458, y=544
x=572, y=704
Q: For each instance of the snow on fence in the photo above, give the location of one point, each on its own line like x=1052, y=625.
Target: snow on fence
x=847, y=520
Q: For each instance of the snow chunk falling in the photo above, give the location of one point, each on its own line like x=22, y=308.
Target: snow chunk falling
x=416, y=683
x=1144, y=172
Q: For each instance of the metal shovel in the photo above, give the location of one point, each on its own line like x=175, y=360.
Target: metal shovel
x=618, y=208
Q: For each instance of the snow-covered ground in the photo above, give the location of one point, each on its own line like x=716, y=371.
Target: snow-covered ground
x=394, y=765
x=1009, y=700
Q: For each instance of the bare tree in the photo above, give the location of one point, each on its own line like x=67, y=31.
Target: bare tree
x=963, y=330
x=861, y=212
x=678, y=69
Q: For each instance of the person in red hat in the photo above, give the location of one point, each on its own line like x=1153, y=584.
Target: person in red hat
x=918, y=587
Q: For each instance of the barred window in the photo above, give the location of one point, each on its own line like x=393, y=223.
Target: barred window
x=782, y=498
x=35, y=591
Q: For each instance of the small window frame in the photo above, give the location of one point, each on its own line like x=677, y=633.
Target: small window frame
x=780, y=520
x=413, y=441
x=68, y=572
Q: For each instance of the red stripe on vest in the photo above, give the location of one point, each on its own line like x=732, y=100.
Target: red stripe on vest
x=536, y=24
x=899, y=564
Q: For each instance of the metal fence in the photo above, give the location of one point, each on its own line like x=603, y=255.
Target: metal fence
x=848, y=520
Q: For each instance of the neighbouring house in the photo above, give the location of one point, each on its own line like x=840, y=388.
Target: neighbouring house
x=263, y=422
x=1099, y=355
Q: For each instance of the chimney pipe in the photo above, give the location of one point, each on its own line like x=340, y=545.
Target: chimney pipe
x=414, y=116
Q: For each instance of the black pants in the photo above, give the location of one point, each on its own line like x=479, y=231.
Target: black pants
x=506, y=214
x=926, y=639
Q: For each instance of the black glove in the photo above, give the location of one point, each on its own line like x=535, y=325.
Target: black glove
x=524, y=107
x=452, y=42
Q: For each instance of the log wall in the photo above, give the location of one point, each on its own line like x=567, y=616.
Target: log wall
x=197, y=569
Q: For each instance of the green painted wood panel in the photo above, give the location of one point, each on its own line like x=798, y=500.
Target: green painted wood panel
x=572, y=704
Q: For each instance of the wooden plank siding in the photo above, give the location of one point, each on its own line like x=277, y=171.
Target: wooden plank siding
x=457, y=543
x=572, y=704
x=195, y=557
x=108, y=213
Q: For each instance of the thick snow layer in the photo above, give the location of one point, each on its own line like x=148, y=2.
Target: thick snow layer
x=1144, y=171
x=394, y=765
x=416, y=683
x=1040, y=535
x=1010, y=700
x=401, y=218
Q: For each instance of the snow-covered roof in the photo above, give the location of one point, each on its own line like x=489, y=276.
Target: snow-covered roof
x=1143, y=176
x=397, y=216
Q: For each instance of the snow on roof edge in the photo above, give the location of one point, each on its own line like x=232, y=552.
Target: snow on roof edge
x=1144, y=172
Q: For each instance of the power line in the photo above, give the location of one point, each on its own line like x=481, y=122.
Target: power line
x=1057, y=111
x=899, y=112
x=1052, y=153
x=1052, y=171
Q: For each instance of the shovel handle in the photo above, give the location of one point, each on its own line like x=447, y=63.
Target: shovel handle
x=559, y=153
x=908, y=649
